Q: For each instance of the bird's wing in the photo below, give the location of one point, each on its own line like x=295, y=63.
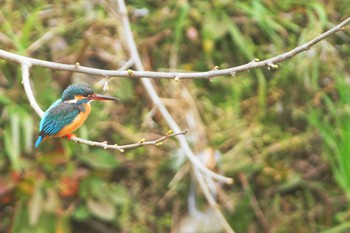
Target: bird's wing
x=58, y=117
x=47, y=112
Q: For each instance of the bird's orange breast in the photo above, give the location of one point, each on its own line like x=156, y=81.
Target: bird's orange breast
x=77, y=122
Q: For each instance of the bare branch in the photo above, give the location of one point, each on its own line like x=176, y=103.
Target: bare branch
x=142, y=142
x=212, y=202
x=269, y=63
x=26, y=83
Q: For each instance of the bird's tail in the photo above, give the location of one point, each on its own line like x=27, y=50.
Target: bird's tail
x=38, y=141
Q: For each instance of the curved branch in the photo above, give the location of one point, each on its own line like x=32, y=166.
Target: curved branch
x=27, y=88
x=269, y=63
x=221, y=218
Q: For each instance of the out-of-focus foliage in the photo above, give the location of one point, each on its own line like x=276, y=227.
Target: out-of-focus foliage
x=286, y=130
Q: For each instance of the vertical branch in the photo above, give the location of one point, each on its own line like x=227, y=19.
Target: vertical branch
x=212, y=201
x=26, y=83
x=147, y=83
x=199, y=168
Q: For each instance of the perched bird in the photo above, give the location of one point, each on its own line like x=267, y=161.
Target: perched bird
x=68, y=113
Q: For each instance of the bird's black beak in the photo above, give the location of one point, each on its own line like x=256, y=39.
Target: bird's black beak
x=103, y=97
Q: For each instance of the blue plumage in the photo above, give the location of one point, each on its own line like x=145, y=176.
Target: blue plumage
x=38, y=141
x=76, y=89
x=47, y=111
x=56, y=118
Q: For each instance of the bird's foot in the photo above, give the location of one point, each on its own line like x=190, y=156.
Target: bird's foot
x=69, y=136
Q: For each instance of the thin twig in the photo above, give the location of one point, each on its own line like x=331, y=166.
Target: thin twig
x=129, y=63
x=269, y=63
x=212, y=202
x=142, y=142
x=27, y=88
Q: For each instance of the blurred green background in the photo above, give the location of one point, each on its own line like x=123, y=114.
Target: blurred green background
x=283, y=135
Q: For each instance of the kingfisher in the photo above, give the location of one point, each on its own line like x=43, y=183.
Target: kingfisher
x=68, y=113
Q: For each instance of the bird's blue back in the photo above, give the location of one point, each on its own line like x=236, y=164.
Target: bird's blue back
x=47, y=111
x=59, y=115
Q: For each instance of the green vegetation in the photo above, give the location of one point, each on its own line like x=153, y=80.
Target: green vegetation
x=287, y=131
